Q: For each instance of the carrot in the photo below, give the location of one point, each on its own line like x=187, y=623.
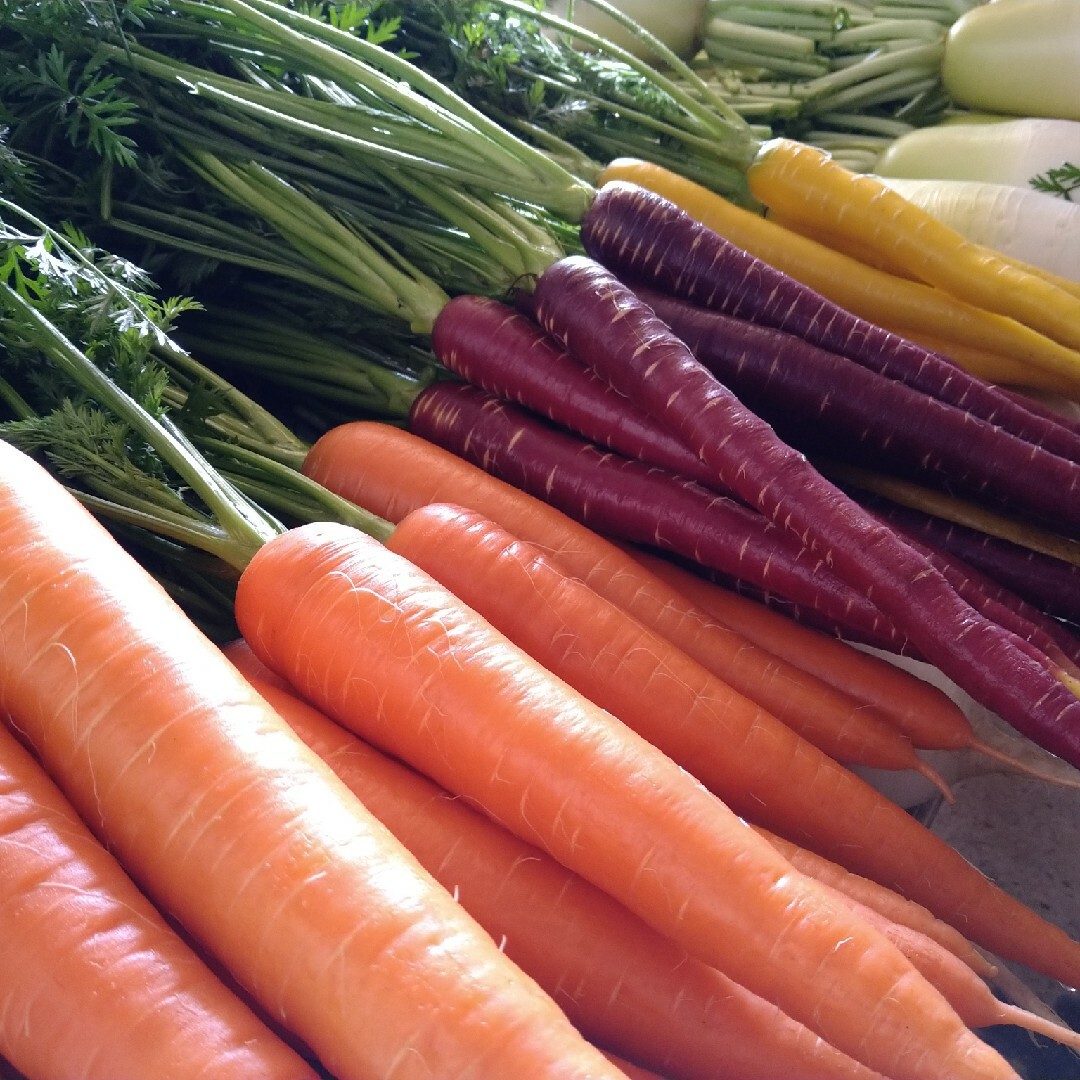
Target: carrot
x=869, y=292
x=882, y=259
x=806, y=184
x=391, y=472
x=624, y=499
x=630, y=1070
x=737, y=751
x=943, y=505
x=991, y=366
x=884, y=901
x=962, y=988
x=929, y=717
x=490, y=345
x=94, y=983
x=623, y=985
x=622, y=665
x=631, y=501
x=435, y=685
x=922, y=711
x=987, y=596
x=1051, y=584
x=820, y=401
x=237, y=829
x=700, y=265
x=602, y=322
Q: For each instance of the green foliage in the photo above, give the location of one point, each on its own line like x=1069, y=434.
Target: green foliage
x=82, y=100
x=54, y=78
x=106, y=308
x=1062, y=181
x=582, y=105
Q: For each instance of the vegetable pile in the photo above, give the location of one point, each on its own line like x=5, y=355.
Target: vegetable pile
x=969, y=109
x=456, y=537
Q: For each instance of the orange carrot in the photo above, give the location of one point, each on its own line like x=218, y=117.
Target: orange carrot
x=972, y=999
x=238, y=829
x=390, y=472
x=632, y=1072
x=370, y=464
x=739, y=752
x=386, y=651
x=884, y=901
x=621, y=984
x=922, y=711
x=930, y=718
x=612, y=658
x=93, y=981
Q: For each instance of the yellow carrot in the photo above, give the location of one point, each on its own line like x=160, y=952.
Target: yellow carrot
x=806, y=184
x=929, y=316
x=883, y=259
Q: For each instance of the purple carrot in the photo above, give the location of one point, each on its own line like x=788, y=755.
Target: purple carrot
x=601, y=321
x=1049, y=584
x=819, y=399
x=1002, y=606
x=490, y=345
x=646, y=239
x=642, y=504
x=1048, y=412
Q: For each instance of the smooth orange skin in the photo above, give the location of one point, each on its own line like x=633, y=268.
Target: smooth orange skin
x=391, y=472
x=94, y=984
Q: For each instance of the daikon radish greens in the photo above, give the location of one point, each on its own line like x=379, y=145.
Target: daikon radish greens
x=848, y=77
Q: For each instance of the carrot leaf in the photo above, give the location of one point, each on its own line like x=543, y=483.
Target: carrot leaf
x=79, y=328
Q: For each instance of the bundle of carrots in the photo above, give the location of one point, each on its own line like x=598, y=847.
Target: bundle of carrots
x=688, y=466
x=889, y=278
x=292, y=894
x=305, y=903
x=456, y=680
x=307, y=906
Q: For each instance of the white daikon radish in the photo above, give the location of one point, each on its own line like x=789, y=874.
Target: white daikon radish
x=1031, y=226
x=1020, y=57
x=1009, y=151
x=677, y=23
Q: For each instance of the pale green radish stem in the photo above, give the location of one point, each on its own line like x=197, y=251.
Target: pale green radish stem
x=1011, y=151
x=1020, y=57
x=1029, y=226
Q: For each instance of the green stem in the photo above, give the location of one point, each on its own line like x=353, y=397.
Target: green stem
x=415, y=92
x=313, y=365
x=706, y=108
x=724, y=38
x=198, y=534
x=289, y=491
x=384, y=282
x=911, y=64
x=252, y=418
